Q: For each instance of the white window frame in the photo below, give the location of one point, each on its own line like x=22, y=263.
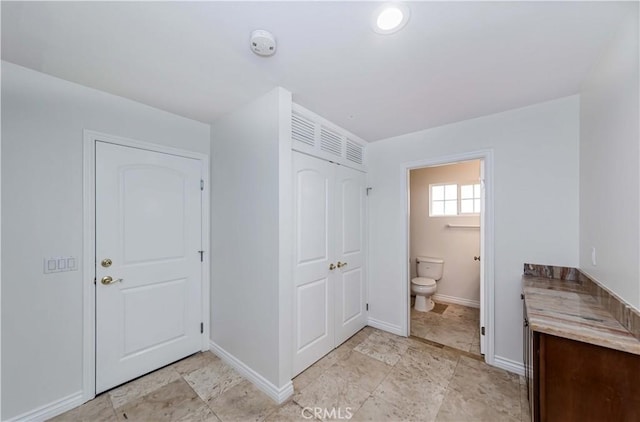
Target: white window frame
x=459, y=212
x=445, y=200
x=474, y=198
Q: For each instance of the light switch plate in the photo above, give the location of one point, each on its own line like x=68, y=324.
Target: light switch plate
x=58, y=264
x=49, y=265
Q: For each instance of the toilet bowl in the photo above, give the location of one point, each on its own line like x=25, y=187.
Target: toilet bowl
x=424, y=286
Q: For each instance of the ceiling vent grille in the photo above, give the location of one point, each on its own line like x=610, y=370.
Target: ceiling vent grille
x=302, y=130
x=330, y=142
x=354, y=152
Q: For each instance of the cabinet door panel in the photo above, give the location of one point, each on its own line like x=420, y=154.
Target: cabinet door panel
x=584, y=382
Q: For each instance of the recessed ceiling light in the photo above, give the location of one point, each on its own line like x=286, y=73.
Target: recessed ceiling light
x=390, y=17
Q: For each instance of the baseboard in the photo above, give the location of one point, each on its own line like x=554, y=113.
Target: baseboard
x=385, y=326
x=51, y=410
x=280, y=395
x=456, y=300
x=508, y=365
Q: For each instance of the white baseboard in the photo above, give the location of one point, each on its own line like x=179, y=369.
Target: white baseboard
x=456, y=300
x=51, y=410
x=385, y=326
x=280, y=395
x=508, y=365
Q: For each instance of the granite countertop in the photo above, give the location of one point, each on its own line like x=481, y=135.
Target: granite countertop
x=562, y=308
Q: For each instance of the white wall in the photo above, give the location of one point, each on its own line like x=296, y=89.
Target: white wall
x=610, y=166
x=42, y=133
x=0, y=243
x=430, y=236
x=251, y=154
x=535, y=208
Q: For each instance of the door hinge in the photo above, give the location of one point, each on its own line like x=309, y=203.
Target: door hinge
x=369, y=190
x=201, y=256
x=201, y=327
x=201, y=184
x=367, y=306
x=482, y=330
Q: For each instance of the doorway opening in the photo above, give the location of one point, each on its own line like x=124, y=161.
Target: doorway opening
x=449, y=252
x=444, y=237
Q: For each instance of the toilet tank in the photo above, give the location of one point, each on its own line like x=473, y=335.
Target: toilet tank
x=430, y=267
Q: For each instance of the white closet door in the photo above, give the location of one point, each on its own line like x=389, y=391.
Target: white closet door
x=350, y=277
x=148, y=227
x=313, y=184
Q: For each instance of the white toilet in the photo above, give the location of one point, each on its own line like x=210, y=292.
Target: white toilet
x=424, y=286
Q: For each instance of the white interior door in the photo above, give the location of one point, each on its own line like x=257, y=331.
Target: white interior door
x=350, y=276
x=148, y=223
x=313, y=184
x=482, y=259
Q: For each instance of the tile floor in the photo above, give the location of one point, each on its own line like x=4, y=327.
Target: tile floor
x=374, y=376
x=455, y=326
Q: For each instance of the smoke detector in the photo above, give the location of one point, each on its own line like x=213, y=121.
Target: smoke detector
x=263, y=43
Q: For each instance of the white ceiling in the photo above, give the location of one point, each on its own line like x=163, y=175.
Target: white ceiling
x=453, y=61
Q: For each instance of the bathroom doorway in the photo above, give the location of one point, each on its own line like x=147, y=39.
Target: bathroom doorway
x=448, y=207
x=444, y=224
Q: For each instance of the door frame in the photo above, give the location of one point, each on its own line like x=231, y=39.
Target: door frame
x=90, y=138
x=486, y=246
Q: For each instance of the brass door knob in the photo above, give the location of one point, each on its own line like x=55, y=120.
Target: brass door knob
x=106, y=262
x=341, y=264
x=332, y=267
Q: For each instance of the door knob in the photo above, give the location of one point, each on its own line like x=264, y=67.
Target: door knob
x=106, y=262
x=332, y=267
x=341, y=264
x=476, y=258
x=109, y=280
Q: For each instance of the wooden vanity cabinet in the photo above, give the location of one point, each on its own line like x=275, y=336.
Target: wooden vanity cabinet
x=569, y=380
x=529, y=355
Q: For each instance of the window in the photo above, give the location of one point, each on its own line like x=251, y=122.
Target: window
x=449, y=199
x=444, y=200
x=470, y=199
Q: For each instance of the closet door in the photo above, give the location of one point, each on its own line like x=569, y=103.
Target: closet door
x=350, y=276
x=314, y=228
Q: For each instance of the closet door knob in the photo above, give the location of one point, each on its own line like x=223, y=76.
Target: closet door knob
x=332, y=267
x=341, y=264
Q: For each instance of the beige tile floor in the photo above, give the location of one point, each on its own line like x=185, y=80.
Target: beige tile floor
x=374, y=376
x=455, y=326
